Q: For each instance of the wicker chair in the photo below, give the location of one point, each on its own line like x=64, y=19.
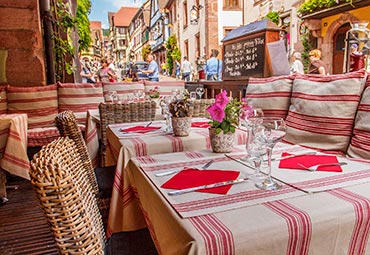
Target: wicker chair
x=67, y=199
x=101, y=179
x=200, y=107
x=59, y=178
x=123, y=113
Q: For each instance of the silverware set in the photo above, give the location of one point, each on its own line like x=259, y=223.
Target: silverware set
x=204, y=167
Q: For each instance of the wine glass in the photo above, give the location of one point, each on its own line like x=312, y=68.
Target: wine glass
x=256, y=148
x=193, y=96
x=200, y=92
x=112, y=96
x=274, y=129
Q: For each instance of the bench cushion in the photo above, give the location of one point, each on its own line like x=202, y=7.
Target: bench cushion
x=41, y=136
x=39, y=103
x=272, y=94
x=323, y=109
x=360, y=142
x=165, y=87
x=122, y=88
x=79, y=97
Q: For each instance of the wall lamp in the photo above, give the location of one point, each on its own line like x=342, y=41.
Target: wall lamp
x=194, y=14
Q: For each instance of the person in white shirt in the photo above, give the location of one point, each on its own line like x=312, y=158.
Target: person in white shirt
x=297, y=66
x=186, y=69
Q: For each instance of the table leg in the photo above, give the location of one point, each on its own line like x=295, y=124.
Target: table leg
x=3, y=198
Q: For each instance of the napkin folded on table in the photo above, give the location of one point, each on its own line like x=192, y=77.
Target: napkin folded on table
x=189, y=178
x=310, y=160
x=140, y=129
x=200, y=124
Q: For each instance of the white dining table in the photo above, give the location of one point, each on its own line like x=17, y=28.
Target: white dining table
x=313, y=212
x=122, y=146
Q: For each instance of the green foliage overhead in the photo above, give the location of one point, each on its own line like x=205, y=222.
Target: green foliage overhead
x=83, y=23
x=274, y=17
x=146, y=51
x=173, y=52
x=317, y=5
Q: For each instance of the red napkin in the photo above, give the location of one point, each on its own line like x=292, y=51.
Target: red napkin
x=140, y=129
x=310, y=160
x=200, y=124
x=189, y=178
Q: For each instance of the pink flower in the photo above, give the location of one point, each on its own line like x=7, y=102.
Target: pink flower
x=222, y=99
x=217, y=112
x=246, y=112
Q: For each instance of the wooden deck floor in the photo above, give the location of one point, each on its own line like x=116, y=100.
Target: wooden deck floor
x=23, y=228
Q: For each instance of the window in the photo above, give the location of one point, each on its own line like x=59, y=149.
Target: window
x=231, y=5
x=186, y=49
x=185, y=14
x=121, y=30
x=122, y=42
x=227, y=30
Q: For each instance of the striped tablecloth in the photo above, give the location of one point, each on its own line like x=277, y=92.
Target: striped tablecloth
x=334, y=220
x=13, y=146
x=124, y=146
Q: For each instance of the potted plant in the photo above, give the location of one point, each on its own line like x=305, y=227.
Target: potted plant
x=225, y=115
x=181, y=109
x=154, y=92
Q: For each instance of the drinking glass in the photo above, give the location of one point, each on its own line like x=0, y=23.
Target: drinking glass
x=274, y=129
x=200, y=92
x=256, y=148
x=113, y=96
x=193, y=95
x=164, y=104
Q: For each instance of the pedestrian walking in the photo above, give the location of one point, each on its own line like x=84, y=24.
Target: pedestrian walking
x=186, y=69
x=214, y=67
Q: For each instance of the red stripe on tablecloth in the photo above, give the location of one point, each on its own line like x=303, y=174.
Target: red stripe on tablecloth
x=4, y=131
x=260, y=194
x=229, y=199
x=127, y=194
x=16, y=161
x=91, y=135
x=14, y=135
x=332, y=180
x=205, y=134
x=147, y=159
x=360, y=234
x=177, y=145
x=364, y=108
x=140, y=146
x=193, y=154
x=217, y=237
x=299, y=226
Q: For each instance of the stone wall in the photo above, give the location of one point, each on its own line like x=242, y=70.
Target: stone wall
x=21, y=44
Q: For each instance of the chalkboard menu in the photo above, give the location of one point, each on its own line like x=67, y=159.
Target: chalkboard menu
x=245, y=58
x=245, y=51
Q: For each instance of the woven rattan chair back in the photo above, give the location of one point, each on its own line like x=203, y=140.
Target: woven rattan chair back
x=123, y=113
x=66, y=199
x=200, y=107
x=67, y=125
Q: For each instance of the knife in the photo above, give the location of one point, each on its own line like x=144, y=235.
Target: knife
x=208, y=186
x=294, y=155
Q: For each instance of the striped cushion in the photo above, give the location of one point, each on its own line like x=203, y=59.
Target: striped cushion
x=122, y=88
x=165, y=87
x=323, y=109
x=360, y=143
x=79, y=98
x=272, y=95
x=39, y=103
x=3, y=100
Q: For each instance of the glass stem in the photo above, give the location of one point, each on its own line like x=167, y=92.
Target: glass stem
x=257, y=166
x=269, y=154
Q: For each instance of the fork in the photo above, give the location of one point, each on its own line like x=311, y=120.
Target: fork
x=176, y=171
x=315, y=167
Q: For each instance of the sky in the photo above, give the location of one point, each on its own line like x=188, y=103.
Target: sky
x=100, y=9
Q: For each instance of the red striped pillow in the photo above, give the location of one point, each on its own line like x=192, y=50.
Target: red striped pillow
x=39, y=103
x=323, y=109
x=360, y=142
x=122, y=88
x=165, y=87
x=3, y=100
x=272, y=94
x=79, y=97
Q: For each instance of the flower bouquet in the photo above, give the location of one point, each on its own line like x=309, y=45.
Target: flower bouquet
x=181, y=109
x=154, y=92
